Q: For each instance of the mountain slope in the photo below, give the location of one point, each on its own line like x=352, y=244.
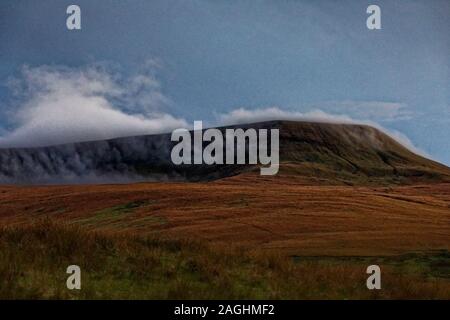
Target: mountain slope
x=317, y=152
x=352, y=154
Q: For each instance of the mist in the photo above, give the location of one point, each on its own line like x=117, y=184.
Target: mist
x=57, y=105
x=244, y=115
x=56, y=109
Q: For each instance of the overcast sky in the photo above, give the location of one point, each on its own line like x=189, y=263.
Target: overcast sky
x=172, y=62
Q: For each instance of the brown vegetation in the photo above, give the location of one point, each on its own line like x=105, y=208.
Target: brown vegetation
x=280, y=216
x=33, y=261
x=346, y=197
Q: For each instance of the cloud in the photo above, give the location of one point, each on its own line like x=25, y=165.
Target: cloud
x=243, y=115
x=373, y=110
x=405, y=141
x=57, y=105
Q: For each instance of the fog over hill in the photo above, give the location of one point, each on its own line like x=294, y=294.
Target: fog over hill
x=327, y=153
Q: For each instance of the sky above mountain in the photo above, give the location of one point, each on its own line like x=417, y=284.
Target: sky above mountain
x=153, y=65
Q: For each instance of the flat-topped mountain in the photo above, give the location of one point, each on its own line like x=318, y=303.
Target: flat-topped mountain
x=320, y=152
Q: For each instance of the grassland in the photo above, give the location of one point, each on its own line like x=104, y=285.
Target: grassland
x=285, y=217
x=33, y=261
x=236, y=238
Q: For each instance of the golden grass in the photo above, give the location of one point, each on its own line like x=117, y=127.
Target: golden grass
x=33, y=261
x=239, y=238
x=276, y=216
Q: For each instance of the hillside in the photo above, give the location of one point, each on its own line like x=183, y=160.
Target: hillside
x=311, y=152
x=346, y=197
x=352, y=154
x=288, y=218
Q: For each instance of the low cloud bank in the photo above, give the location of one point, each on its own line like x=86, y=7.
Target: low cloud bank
x=58, y=105
x=61, y=105
x=243, y=115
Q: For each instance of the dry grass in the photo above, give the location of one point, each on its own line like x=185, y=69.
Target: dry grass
x=239, y=238
x=33, y=260
x=276, y=215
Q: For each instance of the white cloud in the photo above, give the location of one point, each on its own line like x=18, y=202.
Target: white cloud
x=371, y=110
x=243, y=115
x=61, y=105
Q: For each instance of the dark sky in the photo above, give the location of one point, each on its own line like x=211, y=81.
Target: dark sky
x=216, y=56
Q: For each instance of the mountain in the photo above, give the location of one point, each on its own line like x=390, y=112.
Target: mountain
x=352, y=154
x=312, y=152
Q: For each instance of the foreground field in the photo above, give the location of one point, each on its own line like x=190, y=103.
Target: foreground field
x=33, y=261
x=237, y=238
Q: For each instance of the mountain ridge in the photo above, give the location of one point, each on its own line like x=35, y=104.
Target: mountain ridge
x=328, y=153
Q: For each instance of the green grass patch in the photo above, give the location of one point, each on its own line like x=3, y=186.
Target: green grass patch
x=429, y=264
x=117, y=214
